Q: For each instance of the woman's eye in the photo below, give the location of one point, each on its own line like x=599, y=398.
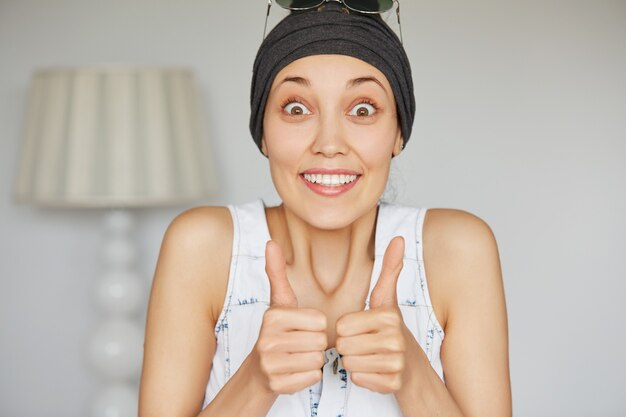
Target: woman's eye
x=363, y=110
x=296, y=109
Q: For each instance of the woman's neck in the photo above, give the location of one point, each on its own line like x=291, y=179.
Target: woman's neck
x=330, y=257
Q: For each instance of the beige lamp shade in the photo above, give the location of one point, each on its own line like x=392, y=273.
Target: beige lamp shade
x=114, y=137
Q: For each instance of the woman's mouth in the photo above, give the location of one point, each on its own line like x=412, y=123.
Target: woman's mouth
x=330, y=185
x=330, y=180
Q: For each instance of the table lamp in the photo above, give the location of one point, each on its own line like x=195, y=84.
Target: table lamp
x=115, y=138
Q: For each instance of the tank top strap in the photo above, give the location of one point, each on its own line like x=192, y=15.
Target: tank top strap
x=247, y=283
x=398, y=220
x=250, y=227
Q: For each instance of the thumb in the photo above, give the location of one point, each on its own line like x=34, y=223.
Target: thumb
x=281, y=293
x=384, y=293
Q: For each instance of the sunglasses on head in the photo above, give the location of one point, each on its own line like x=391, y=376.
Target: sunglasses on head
x=360, y=6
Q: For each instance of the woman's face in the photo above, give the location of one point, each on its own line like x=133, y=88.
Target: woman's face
x=329, y=131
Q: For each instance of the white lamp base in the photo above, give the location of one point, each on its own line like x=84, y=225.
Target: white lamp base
x=116, y=346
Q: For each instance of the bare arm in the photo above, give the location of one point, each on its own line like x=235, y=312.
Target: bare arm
x=179, y=341
x=185, y=301
x=465, y=279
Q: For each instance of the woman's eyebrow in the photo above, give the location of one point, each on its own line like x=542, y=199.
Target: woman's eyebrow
x=358, y=81
x=350, y=84
x=298, y=80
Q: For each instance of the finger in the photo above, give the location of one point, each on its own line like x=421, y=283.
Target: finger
x=279, y=319
x=371, y=343
x=281, y=363
x=281, y=293
x=369, y=321
x=378, y=382
x=294, y=382
x=385, y=291
x=294, y=342
x=383, y=363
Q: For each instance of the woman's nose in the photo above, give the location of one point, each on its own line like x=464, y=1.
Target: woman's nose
x=330, y=137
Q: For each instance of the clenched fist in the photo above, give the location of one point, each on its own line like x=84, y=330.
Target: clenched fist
x=374, y=342
x=291, y=341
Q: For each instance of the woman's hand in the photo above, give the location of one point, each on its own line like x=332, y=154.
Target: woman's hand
x=375, y=343
x=289, y=350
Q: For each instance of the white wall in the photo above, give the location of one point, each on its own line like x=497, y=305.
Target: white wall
x=521, y=119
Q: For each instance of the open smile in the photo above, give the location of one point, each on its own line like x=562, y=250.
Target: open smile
x=330, y=180
x=330, y=183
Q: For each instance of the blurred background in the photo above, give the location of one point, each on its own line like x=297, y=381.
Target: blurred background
x=521, y=120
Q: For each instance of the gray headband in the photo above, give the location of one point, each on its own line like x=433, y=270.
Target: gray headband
x=332, y=31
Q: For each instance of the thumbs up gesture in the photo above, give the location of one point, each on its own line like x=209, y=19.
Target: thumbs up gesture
x=373, y=343
x=289, y=350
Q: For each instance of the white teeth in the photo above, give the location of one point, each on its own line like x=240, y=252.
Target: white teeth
x=330, y=180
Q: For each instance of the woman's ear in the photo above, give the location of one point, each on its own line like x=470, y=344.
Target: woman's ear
x=263, y=147
x=398, y=145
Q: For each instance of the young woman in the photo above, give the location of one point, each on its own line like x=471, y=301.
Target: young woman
x=321, y=306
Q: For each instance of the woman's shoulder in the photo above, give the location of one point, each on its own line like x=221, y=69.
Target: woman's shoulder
x=201, y=230
x=195, y=242
x=193, y=223
x=456, y=230
x=457, y=246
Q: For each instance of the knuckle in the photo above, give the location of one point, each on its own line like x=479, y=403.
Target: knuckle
x=402, y=362
x=340, y=344
x=394, y=344
x=397, y=365
x=317, y=376
x=315, y=317
x=321, y=319
x=275, y=385
x=271, y=316
x=340, y=326
x=395, y=384
x=268, y=316
x=400, y=344
x=354, y=376
x=391, y=318
x=264, y=344
x=346, y=361
x=321, y=341
x=390, y=345
x=279, y=386
x=319, y=360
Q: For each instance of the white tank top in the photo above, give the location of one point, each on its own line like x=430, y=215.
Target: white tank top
x=248, y=295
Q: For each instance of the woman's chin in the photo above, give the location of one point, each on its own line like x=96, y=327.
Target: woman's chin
x=332, y=215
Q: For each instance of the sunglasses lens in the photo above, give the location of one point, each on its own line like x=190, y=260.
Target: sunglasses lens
x=370, y=6
x=298, y=4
